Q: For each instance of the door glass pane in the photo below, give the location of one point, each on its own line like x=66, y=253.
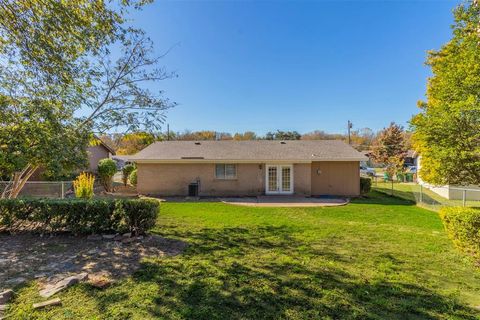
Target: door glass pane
x=286, y=179
x=272, y=178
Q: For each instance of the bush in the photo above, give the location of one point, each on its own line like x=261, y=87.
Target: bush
x=133, y=177
x=80, y=216
x=126, y=171
x=463, y=227
x=83, y=186
x=365, y=185
x=106, y=170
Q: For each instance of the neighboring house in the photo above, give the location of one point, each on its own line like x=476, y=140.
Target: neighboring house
x=97, y=153
x=121, y=160
x=249, y=168
x=451, y=192
x=411, y=158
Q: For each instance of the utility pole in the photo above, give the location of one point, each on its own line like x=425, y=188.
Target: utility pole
x=349, y=126
x=168, y=132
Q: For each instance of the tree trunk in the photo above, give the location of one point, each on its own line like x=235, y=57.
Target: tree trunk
x=20, y=178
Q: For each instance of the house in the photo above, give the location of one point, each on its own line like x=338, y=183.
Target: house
x=411, y=158
x=96, y=153
x=249, y=168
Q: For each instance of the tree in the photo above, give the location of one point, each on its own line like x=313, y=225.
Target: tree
x=283, y=135
x=447, y=129
x=126, y=171
x=389, y=148
x=57, y=61
x=106, y=170
x=247, y=135
x=132, y=143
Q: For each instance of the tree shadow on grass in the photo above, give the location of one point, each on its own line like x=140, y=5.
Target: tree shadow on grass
x=238, y=273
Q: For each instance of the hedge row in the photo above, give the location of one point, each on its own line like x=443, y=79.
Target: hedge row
x=463, y=227
x=80, y=216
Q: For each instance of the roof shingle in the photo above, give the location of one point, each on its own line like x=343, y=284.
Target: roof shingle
x=261, y=150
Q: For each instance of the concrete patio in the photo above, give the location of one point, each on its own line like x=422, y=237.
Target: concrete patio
x=287, y=201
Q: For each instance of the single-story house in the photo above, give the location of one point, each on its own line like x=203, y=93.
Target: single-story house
x=97, y=153
x=249, y=168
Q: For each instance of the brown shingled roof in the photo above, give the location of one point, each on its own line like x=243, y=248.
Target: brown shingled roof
x=259, y=150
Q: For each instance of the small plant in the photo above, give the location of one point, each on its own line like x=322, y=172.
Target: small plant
x=126, y=171
x=106, y=170
x=83, y=185
x=133, y=177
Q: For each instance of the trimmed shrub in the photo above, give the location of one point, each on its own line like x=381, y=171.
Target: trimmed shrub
x=106, y=170
x=80, y=216
x=365, y=185
x=133, y=177
x=83, y=185
x=463, y=227
x=126, y=171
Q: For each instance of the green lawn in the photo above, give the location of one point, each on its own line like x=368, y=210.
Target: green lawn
x=411, y=191
x=378, y=258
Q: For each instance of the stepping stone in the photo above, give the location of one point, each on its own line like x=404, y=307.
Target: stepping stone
x=5, y=296
x=94, y=237
x=62, y=284
x=53, y=302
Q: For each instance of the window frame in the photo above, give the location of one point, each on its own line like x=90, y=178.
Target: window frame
x=225, y=177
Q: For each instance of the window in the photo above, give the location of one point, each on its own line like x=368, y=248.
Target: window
x=225, y=171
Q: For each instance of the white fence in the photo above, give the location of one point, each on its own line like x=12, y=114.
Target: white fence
x=430, y=196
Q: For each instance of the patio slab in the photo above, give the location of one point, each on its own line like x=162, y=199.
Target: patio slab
x=287, y=201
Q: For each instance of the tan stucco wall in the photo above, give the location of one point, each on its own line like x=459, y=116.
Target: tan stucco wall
x=95, y=154
x=302, y=179
x=173, y=180
x=336, y=178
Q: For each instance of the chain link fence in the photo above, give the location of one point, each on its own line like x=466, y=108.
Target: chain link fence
x=428, y=196
x=43, y=189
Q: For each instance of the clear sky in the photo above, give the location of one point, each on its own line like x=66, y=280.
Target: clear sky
x=291, y=65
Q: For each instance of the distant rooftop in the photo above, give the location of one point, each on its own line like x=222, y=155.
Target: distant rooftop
x=257, y=150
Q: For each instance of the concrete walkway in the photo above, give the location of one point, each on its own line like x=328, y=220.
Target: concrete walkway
x=286, y=201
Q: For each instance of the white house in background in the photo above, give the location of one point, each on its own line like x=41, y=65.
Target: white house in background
x=450, y=192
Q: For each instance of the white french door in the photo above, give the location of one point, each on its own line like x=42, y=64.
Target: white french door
x=279, y=179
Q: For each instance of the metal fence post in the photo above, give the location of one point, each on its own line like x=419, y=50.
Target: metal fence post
x=464, y=197
x=421, y=193
x=63, y=189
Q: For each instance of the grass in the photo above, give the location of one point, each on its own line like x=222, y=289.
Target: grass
x=376, y=258
x=411, y=192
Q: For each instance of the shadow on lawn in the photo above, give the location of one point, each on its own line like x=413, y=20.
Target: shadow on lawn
x=265, y=273
x=410, y=197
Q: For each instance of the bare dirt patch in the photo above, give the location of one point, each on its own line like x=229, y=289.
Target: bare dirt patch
x=25, y=257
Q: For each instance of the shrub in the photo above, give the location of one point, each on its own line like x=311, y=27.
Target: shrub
x=365, y=185
x=106, y=170
x=80, y=216
x=83, y=185
x=133, y=177
x=463, y=227
x=126, y=171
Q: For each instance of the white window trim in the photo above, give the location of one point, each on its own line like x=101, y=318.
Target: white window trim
x=225, y=171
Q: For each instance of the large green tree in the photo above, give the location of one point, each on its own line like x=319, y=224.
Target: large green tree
x=59, y=82
x=447, y=130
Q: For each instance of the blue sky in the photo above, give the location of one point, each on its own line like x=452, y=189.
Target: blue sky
x=304, y=66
